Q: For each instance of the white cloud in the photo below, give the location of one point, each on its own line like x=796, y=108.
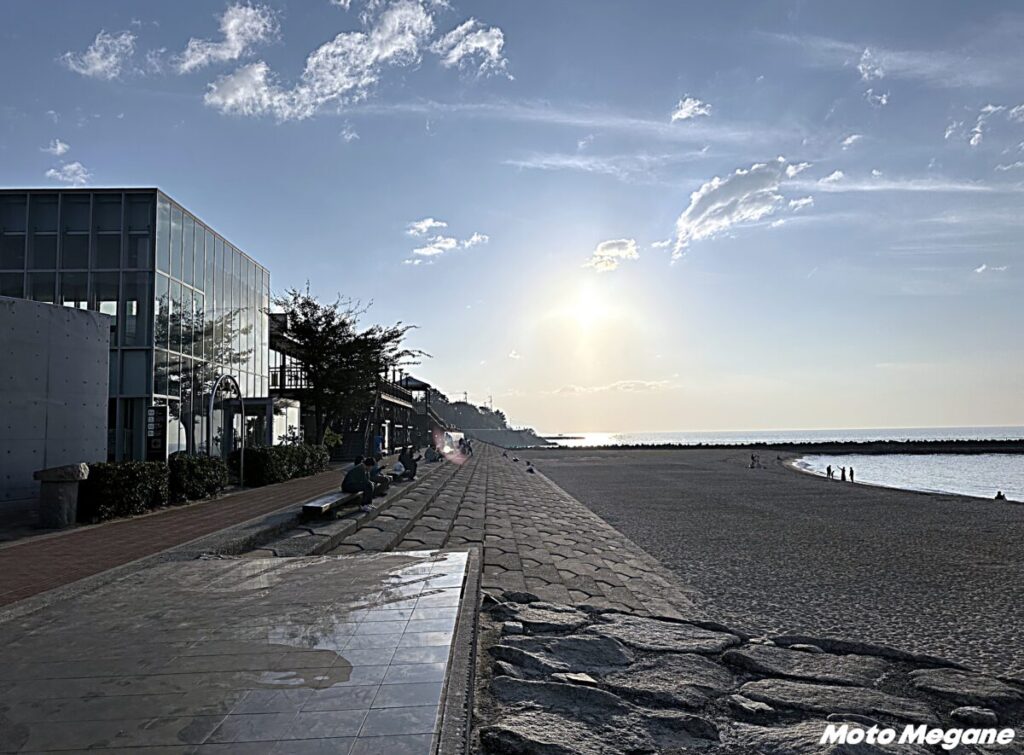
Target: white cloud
x=436, y=245
x=876, y=173
x=690, y=107
x=341, y=71
x=986, y=268
x=56, y=147
x=626, y=167
x=1016, y=114
x=70, y=173
x=473, y=44
x=343, y=4
x=977, y=133
x=879, y=99
x=585, y=142
x=623, y=386
x=869, y=66
x=1011, y=166
x=53, y=115
x=348, y=133
x=796, y=169
x=423, y=227
x=104, y=58
x=851, y=140
x=662, y=244
x=833, y=177
x=952, y=129
x=514, y=355
x=744, y=196
x=475, y=240
x=798, y=204
x=609, y=254
x=242, y=27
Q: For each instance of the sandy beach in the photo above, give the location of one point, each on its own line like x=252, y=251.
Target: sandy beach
x=778, y=550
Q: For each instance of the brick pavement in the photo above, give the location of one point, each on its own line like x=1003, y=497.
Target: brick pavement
x=535, y=537
x=39, y=564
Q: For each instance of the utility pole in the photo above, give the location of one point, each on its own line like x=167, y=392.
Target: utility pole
x=465, y=396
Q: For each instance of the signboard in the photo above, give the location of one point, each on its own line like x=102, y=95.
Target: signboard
x=156, y=433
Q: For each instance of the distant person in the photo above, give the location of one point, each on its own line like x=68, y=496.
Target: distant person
x=828, y=473
x=842, y=476
x=1000, y=496
x=381, y=482
x=504, y=454
x=357, y=480
x=529, y=468
x=469, y=447
x=851, y=474
x=409, y=460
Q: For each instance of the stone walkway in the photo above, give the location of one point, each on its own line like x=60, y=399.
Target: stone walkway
x=38, y=564
x=534, y=536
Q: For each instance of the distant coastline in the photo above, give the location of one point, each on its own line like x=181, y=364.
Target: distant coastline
x=860, y=447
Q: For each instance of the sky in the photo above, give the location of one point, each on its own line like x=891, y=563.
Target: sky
x=602, y=216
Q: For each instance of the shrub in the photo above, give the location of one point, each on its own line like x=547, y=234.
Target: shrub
x=266, y=465
x=194, y=477
x=127, y=488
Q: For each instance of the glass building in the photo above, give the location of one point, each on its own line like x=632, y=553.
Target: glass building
x=188, y=306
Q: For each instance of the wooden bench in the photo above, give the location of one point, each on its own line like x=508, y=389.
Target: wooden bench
x=328, y=503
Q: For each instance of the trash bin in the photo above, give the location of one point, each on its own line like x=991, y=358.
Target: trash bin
x=58, y=494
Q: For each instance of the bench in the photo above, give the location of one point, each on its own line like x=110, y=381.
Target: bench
x=328, y=503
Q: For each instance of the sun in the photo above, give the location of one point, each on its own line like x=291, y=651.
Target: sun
x=589, y=307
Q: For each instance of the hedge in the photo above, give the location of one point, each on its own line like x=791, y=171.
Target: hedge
x=127, y=488
x=195, y=477
x=266, y=465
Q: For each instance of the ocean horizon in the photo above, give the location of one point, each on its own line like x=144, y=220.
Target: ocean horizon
x=740, y=437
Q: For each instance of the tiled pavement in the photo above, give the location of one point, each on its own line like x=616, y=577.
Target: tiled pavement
x=535, y=537
x=32, y=566
x=309, y=655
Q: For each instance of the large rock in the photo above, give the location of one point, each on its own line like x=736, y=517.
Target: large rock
x=585, y=703
x=831, y=645
x=586, y=653
x=802, y=739
x=972, y=715
x=671, y=679
x=824, y=698
x=524, y=659
x=660, y=635
x=542, y=618
x=856, y=670
x=536, y=732
x=965, y=687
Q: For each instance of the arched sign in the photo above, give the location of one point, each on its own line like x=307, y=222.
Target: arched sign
x=209, y=424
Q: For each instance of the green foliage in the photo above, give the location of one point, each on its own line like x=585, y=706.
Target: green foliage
x=125, y=489
x=266, y=465
x=332, y=439
x=195, y=477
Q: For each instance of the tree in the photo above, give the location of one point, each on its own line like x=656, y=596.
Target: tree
x=342, y=362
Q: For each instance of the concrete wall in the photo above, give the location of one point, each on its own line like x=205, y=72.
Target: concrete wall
x=54, y=376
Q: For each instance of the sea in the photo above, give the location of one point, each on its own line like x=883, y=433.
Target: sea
x=979, y=475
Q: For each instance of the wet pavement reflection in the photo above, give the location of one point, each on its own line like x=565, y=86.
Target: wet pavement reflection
x=335, y=653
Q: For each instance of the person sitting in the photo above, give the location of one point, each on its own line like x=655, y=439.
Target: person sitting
x=432, y=455
x=357, y=480
x=1000, y=496
x=409, y=460
x=381, y=482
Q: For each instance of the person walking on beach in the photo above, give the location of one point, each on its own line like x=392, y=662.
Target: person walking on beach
x=851, y=474
x=828, y=473
x=842, y=473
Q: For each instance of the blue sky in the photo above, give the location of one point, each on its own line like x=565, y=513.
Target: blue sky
x=657, y=215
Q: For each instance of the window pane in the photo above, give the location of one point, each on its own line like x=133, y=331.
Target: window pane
x=136, y=313
x=103, y=297
x=208, y=279
x=74, y=253
x=160, y=372
x=198, y=321
x=200, y=275
x=187, y=320
x=107, y=212
x=74, y=290
x=12, y=251
x=163, y=312
x=108, y=251
x=175, y=242
x=163, y=236
x=43, y=252
x=175, y=319
x=134, y=372
x=140, y=209
x=136, y=253
x=43, y=213
x=187, y=253
x=12, y=284
x=114, y=373
x=12, y=214
x=75, y=213
x=41, y=287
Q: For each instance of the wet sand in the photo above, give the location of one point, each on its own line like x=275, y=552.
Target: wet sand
x=778, y=550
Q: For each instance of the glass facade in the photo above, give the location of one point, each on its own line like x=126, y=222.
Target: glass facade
x=186, y=305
